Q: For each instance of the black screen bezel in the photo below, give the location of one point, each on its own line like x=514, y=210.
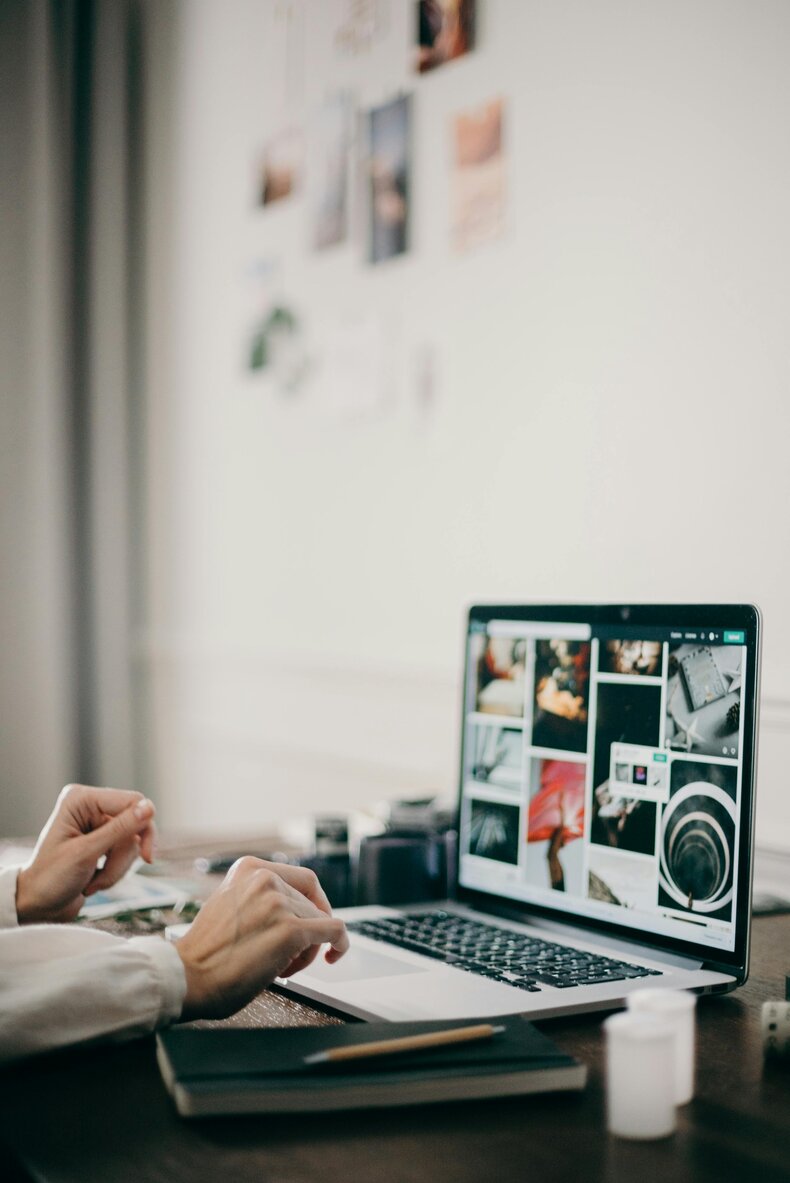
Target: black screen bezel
x=745, y=617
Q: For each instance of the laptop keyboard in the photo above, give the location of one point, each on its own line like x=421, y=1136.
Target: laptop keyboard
x=497, y=953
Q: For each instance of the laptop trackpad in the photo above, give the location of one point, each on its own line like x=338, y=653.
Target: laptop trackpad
x=361, y=963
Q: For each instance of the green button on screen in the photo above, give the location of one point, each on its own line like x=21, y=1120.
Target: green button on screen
x=734, y=637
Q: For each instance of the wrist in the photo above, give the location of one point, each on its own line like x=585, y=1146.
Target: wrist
x=25, y=898
x=190, y=1008
x=205, y=997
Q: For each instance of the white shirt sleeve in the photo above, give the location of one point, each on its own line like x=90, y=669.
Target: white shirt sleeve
x=8, y=917
x=63, y=984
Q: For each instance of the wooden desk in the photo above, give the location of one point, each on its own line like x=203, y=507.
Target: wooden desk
x=103, y=1116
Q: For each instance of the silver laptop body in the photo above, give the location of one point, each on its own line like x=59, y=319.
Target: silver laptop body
x=606, y=806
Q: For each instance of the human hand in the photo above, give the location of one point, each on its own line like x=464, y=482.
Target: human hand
x=86, y=825
x=266, y=920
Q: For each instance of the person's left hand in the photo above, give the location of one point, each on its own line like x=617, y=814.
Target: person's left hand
x=87, y=824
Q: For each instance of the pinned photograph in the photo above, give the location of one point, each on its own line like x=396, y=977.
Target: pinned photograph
x=328, y=174
x=478, y=180
x=445, y=31
x=281, y=166
x=275, y=343
x=556, y=820
x=704, y=699
x=562, y=684
x=389, y=181
x=352, y=378
x=362, y=24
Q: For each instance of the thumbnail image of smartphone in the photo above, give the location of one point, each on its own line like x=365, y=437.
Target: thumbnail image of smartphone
x=701, y=676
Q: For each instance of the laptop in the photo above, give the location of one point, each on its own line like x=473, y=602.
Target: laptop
x=605, y=838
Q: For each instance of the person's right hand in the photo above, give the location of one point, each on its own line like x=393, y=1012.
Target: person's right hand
x=266, y=920
x=86, y=825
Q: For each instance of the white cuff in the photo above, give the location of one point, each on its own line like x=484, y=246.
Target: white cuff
x=170, y=974
x=8, y=916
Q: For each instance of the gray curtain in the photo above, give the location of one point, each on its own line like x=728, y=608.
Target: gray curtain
x=70, y=405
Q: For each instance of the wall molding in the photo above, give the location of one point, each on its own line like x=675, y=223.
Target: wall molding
x=775, y=713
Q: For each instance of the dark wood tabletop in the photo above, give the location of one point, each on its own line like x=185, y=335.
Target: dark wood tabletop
x=102, y=1114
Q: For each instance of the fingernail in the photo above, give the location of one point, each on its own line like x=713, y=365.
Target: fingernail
x=143, y=808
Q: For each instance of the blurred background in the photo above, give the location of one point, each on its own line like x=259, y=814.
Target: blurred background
x=320, y=321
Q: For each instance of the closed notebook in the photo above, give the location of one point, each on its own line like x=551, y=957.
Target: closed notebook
x=224, y=1071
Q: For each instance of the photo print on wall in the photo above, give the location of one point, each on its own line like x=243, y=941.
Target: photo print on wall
x=281, y=166
x=445, y=30
x=275, y=344
x=328, y=172
x=363, y=23
x=389, y=179
x=478, y=179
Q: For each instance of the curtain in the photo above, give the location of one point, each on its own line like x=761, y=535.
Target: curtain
x=70, y=366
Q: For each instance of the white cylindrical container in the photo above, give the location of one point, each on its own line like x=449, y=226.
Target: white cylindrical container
x=676, y=1007
x=640, y=1076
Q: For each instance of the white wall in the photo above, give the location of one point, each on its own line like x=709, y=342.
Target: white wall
x=612, y=377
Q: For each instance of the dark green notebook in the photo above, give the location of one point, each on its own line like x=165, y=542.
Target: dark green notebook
x=220, y=1071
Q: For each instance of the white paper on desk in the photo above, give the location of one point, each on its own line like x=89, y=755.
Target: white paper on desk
x=131, y=894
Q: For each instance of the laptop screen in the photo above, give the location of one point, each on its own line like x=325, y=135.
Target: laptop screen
x=607, y=765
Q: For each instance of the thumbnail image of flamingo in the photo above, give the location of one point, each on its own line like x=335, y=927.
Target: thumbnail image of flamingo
x=556, y=812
